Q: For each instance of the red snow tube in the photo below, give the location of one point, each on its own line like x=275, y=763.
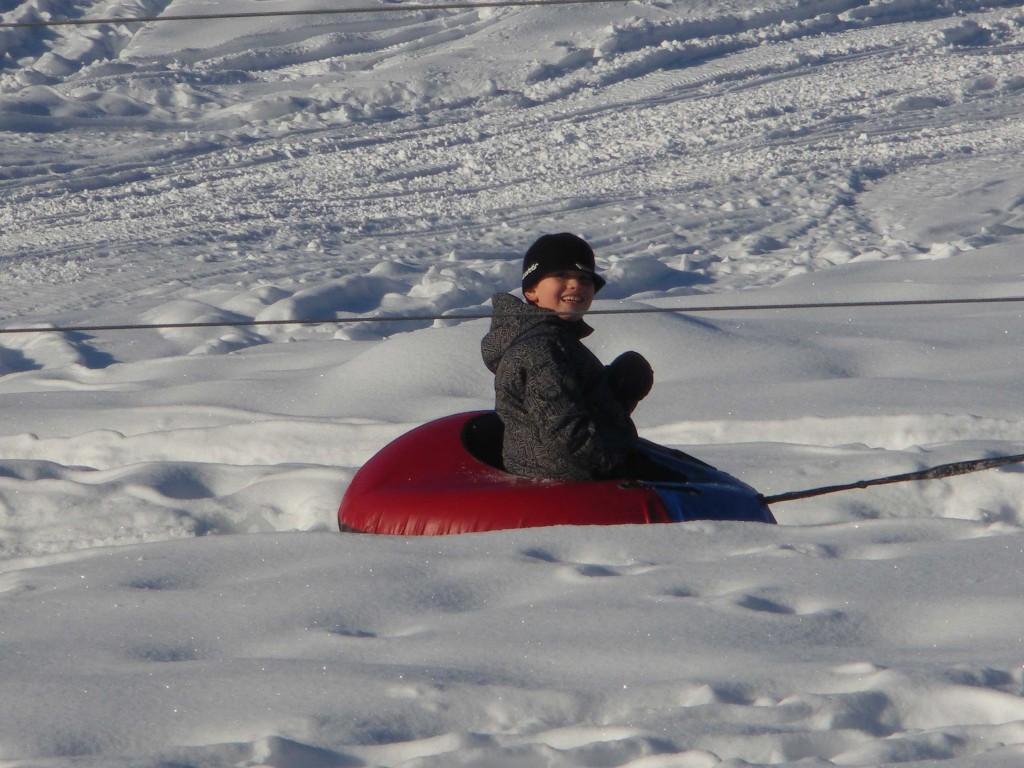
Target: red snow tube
x=444, y=477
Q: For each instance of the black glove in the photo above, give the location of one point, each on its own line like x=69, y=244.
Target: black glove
x=630, y=377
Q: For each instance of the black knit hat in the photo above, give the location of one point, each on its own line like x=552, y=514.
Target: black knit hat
x=563, y=252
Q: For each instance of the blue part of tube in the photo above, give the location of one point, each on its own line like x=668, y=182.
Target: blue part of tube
x=711, y=502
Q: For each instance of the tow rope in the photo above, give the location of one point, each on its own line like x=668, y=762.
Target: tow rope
x=935, y=473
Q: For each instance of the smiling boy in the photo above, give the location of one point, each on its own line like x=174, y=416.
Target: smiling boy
x=566, y=415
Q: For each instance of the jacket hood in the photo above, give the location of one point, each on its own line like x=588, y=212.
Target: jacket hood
x=514, y=319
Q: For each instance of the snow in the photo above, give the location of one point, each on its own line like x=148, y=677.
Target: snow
x=173, y=588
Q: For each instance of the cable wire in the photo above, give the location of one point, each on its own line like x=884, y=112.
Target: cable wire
x=487, y=315
x=933, y=473
x=403, y=7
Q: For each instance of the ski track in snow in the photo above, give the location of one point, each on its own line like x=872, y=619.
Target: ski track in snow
x=397, y=165
x=345, y=192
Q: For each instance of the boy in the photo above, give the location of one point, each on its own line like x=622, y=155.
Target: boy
x=566, y=416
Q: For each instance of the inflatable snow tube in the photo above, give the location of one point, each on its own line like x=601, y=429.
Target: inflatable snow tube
x=445, y=477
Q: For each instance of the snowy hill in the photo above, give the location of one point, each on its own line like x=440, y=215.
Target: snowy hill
x=173, y=590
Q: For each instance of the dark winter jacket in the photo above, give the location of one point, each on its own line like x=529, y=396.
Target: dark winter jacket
x=561, y=418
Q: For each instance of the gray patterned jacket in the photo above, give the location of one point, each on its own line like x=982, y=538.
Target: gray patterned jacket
x=552, y=394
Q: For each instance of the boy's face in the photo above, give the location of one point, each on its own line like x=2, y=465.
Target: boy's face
x=569, y=294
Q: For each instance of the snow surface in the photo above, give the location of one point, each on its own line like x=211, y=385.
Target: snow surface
x=173, y=590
